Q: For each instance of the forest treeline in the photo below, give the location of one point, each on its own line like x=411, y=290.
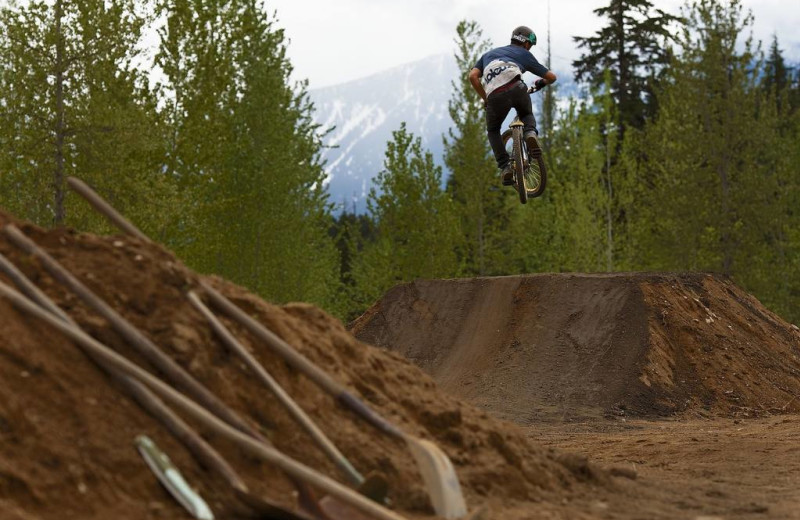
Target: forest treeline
x=681, y=155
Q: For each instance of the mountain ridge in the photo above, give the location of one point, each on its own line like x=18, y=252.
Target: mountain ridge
x=359, y=117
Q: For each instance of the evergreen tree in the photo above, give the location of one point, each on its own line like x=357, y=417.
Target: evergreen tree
x=794, y=89
x=246, y=152
x=416, y=223
x=776, y=75
x=565, y=230
x=780, y=80
x=633, y=46
x=719, y=195
x=549, y=102
x=474, y=182
x=75, y=104
x=351, y=231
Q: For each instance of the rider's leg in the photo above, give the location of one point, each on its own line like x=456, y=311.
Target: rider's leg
x=497, y=108
x=524, y=108
x=521, y=101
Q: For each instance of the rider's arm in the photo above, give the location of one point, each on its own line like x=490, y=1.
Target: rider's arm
x=549, y=77
x=532, y=65
x=475, y=81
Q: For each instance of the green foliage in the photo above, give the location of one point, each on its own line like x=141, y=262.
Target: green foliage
x=776, y=75
x=719, y=190
x=417, y=233
x=74, y=104
x=633, y=46
x=351, y=231
x=484, y=210
x=779, y=81
x=246, y=153
x=580, y=189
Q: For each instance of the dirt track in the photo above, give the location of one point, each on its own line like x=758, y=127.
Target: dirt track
x=682, y=382
x=574, y=347
x=700, y=469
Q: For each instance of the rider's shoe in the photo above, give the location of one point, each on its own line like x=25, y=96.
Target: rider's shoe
x=532, y=140
x=508, y=175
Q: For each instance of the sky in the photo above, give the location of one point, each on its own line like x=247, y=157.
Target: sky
x=335, y=41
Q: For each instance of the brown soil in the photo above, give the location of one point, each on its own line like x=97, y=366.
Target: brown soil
x=572, y=347
x=67, y=430
x=681, y=385
x=697, y=469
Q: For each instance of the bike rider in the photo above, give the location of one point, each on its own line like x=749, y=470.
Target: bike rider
x=497, y=78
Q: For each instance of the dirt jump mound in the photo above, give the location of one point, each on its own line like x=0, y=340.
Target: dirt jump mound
x=573, y=346
x=67, y=429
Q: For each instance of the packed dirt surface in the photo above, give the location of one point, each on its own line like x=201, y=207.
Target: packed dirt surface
x=698, y=469
x=682, y=383
x=575, y=347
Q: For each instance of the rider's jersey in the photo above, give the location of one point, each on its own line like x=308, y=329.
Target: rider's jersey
x=501, y=65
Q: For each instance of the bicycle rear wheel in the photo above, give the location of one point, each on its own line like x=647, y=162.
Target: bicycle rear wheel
x=518, y=160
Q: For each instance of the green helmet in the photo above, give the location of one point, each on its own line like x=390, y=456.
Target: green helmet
x=523, y=34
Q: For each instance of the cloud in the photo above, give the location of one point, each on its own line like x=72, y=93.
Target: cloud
x=335, y=42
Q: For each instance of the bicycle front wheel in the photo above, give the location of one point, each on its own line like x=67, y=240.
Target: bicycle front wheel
x=535, y=172
x=535, y=176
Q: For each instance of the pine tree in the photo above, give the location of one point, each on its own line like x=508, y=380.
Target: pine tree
x=246, y=152
x=776, y=74
x=351, y=231
x=794, y=89
x=417, y=227
x=484, y=209
x=719, y=193
x=633, y=47
x=75, y=104
x=575, y=205
x=549, y=101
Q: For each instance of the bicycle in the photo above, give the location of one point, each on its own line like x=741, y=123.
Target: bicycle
x=530, y=176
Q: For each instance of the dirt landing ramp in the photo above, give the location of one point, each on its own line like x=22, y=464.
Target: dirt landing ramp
x=578, y=346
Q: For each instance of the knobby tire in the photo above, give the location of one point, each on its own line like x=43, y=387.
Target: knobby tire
x=518, y=158
x=535, y=174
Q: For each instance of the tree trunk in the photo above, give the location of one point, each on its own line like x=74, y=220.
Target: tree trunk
x=58, y=173
x=481, y=267
x=609, y=211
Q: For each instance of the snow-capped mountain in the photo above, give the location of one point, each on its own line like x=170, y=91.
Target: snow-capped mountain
x=363, y=114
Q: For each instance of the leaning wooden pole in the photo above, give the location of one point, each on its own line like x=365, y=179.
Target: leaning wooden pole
x=252, y=446
x=436, y=468
x=297, y=413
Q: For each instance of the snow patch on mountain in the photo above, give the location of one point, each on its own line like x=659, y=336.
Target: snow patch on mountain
x=361, y=115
